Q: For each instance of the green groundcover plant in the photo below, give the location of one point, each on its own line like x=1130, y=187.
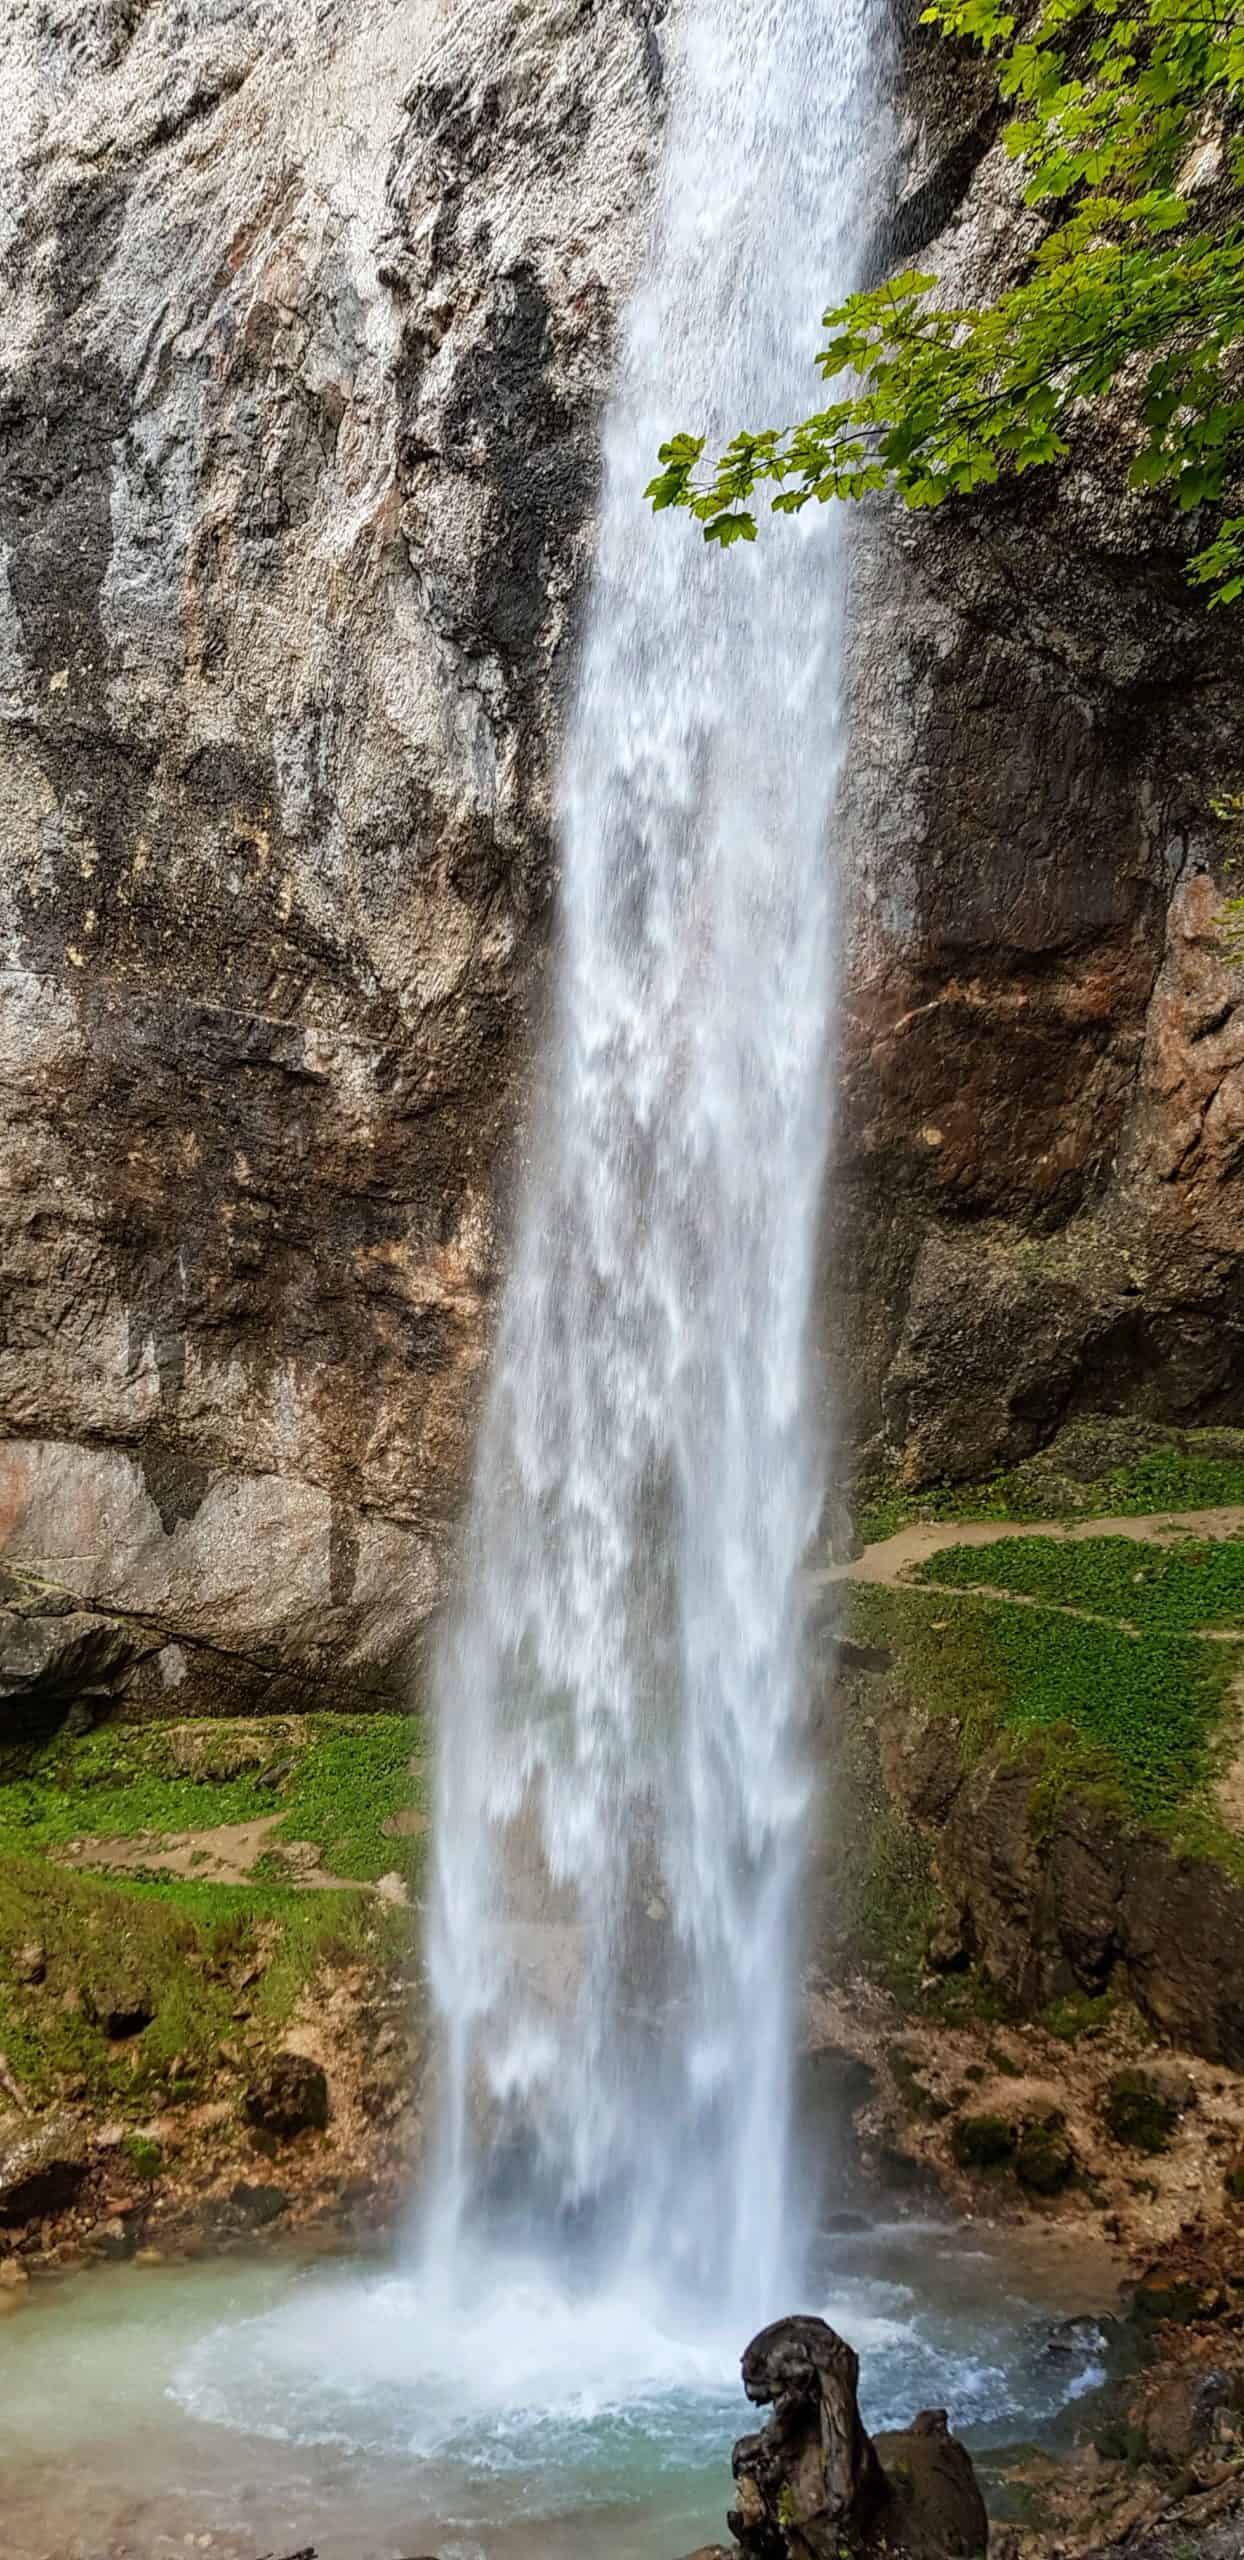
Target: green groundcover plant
x=1129, y=123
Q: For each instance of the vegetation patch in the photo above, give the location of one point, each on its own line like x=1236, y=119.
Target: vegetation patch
x=984, y=2142
x=1079, y=2014
x=1138, y=2113
x=123, y=1991
x=1128, y=1719
x=1045, y=2160
x=219, y=1965
x=1171, y=1590
x=331, y=1779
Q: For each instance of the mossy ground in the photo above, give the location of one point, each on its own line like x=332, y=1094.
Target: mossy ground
x=333, y=1780
x=220, y=1964
x=1130, y=1705
x=1161, y=1590
x=1137, y=1713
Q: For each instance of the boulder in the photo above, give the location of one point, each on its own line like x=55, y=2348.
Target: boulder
x=110, y=2238
x=935, y=2509
x=1165, y=2294
x=811, y=2485
x=257, y=2206
x=42, y=2168
x=984, y=2141
x=1180, y=2415
x=59, y=1664
x=1142, y=2107
x=289, y=2097
x=1045, y=2160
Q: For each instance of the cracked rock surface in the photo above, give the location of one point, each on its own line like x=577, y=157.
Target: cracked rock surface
x=307, y=314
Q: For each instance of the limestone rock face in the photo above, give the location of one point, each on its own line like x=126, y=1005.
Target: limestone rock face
x=309, y=309
x=307, y=312
x=1043, y=1140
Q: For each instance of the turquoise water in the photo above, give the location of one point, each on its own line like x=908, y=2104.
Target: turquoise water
x=268, y=2405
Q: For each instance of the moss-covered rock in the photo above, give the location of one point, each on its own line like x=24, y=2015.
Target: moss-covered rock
x=1045, y=2159
x=1141, y=2110
x=984, y=2141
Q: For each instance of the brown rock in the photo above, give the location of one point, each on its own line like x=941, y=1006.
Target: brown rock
x=936, y=2511
x=1178, y=2418
x=288, y=2098
x=42, y=2169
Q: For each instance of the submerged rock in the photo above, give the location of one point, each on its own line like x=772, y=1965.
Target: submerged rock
x=812, y=2484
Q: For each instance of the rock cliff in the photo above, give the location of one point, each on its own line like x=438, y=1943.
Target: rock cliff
x=310, y=312
x=310, y=309
x=1043, y=1133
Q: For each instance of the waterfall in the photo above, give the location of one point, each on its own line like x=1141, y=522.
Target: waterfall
x=624, y=1783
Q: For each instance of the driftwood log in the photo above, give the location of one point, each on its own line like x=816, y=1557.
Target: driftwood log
x=812, y=2485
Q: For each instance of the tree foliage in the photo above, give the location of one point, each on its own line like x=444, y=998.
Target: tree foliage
x=1129, y=123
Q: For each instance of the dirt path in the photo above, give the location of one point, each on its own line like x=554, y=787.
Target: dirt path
x=890, y=1560
x=890, y=1563
x=228, y=1854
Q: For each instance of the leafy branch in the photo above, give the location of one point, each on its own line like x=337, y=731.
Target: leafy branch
x=1130, y=128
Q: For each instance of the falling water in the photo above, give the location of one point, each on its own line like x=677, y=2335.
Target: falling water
x=624, y=1788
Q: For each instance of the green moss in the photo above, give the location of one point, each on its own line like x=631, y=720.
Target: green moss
x=1078, y=2015
x=1169, y=1590
x=357, y=1775
x=1138, y=2113
x=205, y=1964
x=1128, y=1720
x=1045, y=2160
x=190, y=1944
x=114, y=1782
x=334, y=1782
x=983, y=2142
x=145, y=2156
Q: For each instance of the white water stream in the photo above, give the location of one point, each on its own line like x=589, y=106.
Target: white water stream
x=624, y=1791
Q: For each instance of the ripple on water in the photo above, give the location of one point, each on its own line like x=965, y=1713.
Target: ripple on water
x=307, y=2403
